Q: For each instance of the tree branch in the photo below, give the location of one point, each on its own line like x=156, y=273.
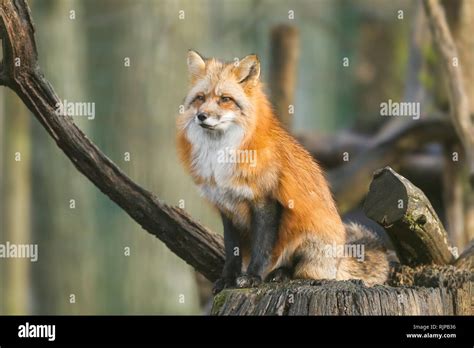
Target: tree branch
x=350, y=181
x=459, y=102
x=188, y=239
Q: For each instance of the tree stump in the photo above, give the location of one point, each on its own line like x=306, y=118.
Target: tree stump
x=427, y=291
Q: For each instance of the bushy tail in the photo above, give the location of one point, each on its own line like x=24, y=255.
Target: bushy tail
x=371, y=262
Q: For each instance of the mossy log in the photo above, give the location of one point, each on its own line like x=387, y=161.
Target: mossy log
x=417, y=233
x=427, y=292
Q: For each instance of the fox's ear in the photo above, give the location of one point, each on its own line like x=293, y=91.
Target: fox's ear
x=196, y=65
x=248, y=69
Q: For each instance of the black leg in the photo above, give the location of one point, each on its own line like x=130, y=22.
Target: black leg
x=233, y=258
x=265, y=225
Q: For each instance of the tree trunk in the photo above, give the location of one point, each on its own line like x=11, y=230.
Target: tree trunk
x=284, y=47
x=459, y=194
x=302, y=297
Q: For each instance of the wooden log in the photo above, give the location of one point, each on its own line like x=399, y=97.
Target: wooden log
x=406, y=214
x=305, y=297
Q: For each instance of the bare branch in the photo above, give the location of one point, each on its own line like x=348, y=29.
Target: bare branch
x=459, y=102
x=350, y=181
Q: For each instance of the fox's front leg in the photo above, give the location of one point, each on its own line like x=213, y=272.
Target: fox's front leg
x=233, y=259
x=265, y=225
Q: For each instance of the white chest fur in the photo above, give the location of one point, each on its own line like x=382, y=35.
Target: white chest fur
x=209, y=163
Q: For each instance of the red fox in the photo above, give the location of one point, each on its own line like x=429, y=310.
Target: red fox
x=280, y=220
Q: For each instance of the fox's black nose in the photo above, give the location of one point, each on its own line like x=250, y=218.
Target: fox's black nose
x=202, y=116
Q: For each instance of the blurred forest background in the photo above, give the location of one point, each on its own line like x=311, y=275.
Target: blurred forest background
x=84, y=47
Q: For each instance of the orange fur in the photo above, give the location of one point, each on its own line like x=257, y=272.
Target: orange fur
x=288, y=173
x=285, y=170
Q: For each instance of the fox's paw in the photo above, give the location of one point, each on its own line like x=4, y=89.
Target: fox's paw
x=248, y=281
x=279, y=275
x=221, y=284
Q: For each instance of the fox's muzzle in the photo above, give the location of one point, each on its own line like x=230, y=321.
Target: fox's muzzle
x=201, y=116
x=206, y=121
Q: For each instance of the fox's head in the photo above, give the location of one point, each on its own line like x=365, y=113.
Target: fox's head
x=221, y=93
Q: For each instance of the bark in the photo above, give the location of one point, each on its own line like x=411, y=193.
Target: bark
x=345, y=298
x=409, y=219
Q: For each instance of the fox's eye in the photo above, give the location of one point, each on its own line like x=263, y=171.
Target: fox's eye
x=225, y=99
x=200, y=98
